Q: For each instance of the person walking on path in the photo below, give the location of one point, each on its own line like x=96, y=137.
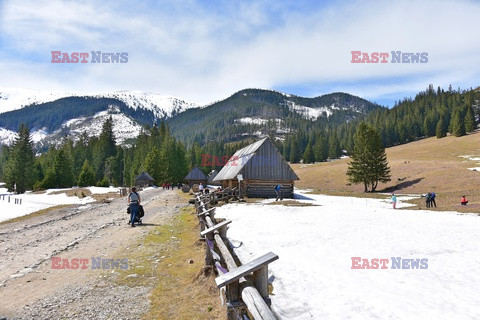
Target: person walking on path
x=394, y=201
x=133, y=203
x=278, y=191
x=432, y=199
x=464, y=201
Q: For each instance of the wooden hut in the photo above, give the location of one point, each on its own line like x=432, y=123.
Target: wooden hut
x=261, y=168
x=210, y=178
x=144, y=180
x=195, y=176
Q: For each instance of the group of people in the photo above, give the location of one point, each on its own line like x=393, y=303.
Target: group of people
x=430, y=200
x=171, y=185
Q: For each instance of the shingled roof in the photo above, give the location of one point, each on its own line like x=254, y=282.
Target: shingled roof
x=196, y=174
x=259, y=160
x=144, y=177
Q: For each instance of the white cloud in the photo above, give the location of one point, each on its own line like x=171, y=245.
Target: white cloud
x=186, y=49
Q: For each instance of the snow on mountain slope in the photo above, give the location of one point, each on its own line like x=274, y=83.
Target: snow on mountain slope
x=310, y=113
x=161, y=105
x=17, y=98
x=7, y=136
x=123, y=127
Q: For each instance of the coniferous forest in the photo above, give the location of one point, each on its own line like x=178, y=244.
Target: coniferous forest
x=100, y=161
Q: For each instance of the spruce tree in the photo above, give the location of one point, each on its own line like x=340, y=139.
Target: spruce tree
x=321, y=149
x=441, y=129
x=153, y=165
x=295, y=152
x=469, y=120
x=458, y=124
x=334, y=149
x=87, y=175
x=308, y=155
x=19, y=171
x=63, y=169
x=369, y=163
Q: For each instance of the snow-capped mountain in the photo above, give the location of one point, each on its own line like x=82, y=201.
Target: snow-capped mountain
x=129, y=110
x=163, y=106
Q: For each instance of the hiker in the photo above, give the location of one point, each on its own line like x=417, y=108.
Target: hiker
x=427, y=199
x=464, y=201
x=394, y=201
x=278, y=192
x=133, y=203
x=179, y=185
x=432, y=199
x=200, y=187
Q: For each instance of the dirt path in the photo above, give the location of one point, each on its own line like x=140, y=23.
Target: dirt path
x=31, y=289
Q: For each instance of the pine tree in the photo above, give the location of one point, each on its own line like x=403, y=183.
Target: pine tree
x=308, y=155
x=458, y=125
x=87, y=175
x=104, y=148
x=19, y=171
x=321, y=149
x=334, y=149
x=369, y=163
x=295, y=152
x=441, y=129
x=63, y=169
x=153, y=165
x=469, y=120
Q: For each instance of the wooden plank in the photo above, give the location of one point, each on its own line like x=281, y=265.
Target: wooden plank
x=215, y=227
x=205, y=211
x=245, y=269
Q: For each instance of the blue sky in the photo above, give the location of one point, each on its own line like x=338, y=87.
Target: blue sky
x=207, y=50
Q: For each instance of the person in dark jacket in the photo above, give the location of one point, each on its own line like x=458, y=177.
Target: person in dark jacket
x=428, y=199
x=432, y=199
x=133, y=203
x=278, y=191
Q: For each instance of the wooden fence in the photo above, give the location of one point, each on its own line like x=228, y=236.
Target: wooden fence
x=4, y=197
x=245, y=286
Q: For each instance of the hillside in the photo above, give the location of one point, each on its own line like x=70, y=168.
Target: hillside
x=439, y=165
x=257, y=112
x=54, y=115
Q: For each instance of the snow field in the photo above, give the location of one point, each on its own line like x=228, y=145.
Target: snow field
x=314, y=279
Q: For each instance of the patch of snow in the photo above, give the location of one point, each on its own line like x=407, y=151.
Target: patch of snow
x=7, y=136
x=316, y=243
x=307, y=112
x=39, y=135
x=33, y=202
x=250, y=120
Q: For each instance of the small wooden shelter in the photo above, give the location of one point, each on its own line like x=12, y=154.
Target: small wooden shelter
x=195, y=176
x=261, y=168
x=210, y=178
x=144, y=180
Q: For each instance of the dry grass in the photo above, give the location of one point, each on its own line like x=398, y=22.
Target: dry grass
x=181, y=291
x=291, y=203
x=83, y=192
x=419, y=167
x=35, y=214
